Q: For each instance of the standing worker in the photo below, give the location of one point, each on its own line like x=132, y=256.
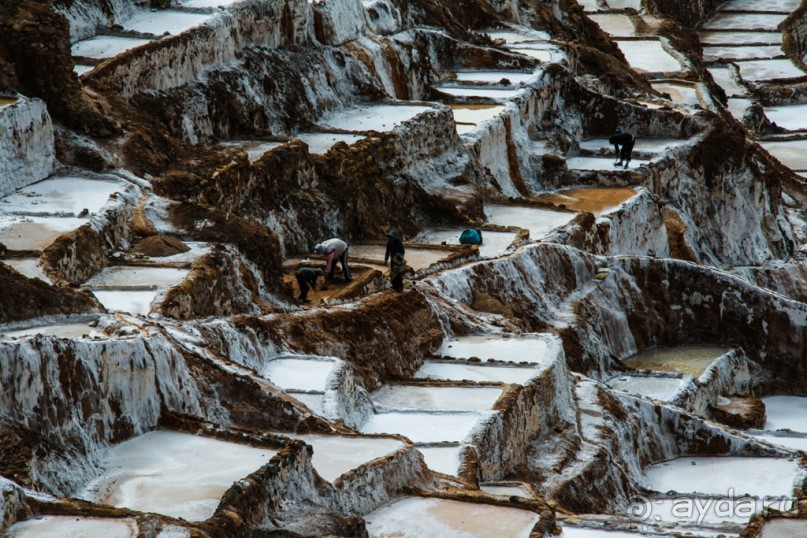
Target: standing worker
x=626, y=140
x=395, y=256
x=307, y=278
x=334, y=249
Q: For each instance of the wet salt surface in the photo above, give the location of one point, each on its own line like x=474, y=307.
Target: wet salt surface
x=506, y=490
x=62, y=330
x=691, y=360
x=417, y=517
x=417, y=258
x=615, y=24
x=424, y=427
x=372, y=117
x=723, y=78
x=681, y=94
x=255, y=148
x=162, y=21
x=744, y=21
x=480, y=92
x=493, y=243
x=769, y=69
x=437, y=398
x=132, y=302
x=713, y=53
x=172, y=473
x=791, y=153
x=60, y=195
x=102, y=47
x=649, y=56
x=655, y=388
x=601, y=163
x=784, y=6
x=335, y=455
x=495, y=77
x=75, y=527
x=540, y=222
x=320, y=143
x=29, y=267
x=740, y=38
x=477, y=373
x=475, y=114
x=533, y=349
x=730, y=476
x=595, y=200
x=442, y=459
x=298, y=374
x=34, y=233
x=130, y=276
x=785, y=528
x=786, y=412
x=790, y=117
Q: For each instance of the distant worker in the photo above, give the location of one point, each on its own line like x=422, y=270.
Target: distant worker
x=334, y=249
x=626, y=142
x=471, y=236
x=307, y=278
x=395, y=256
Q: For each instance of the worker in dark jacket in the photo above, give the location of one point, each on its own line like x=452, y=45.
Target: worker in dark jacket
x=394, y=246
x=625, y=141
x=307, y=278
x=395, y=257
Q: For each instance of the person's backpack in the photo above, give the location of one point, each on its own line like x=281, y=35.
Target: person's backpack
x=471, y=237
x=398, y=263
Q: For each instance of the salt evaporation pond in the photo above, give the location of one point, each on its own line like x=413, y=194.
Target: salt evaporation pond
x=475, y=114
x=791, y=153
x=713, y=53
x=615, y=24
x=518, y=37
x=320, y=143
x=595, y=200
x=35, y=233
x=172, y=473
x=372, y=117
x=784, y=528
x=477, y=373
x=315, y=402
x=712, y=511
x=80, y=69
x=690, y=360
x=784, y=6
x=600, y=163
x=786, y=413
x=29, y=267
x=164, y=20
x=132, y=302
x=738, y=106
x=102, y=47
x=416, y=517
x=655, y=388
x=541, y=54
x=298, y=374
x=495, y=77
x=731, y=476
x=791, y=442
x=584, y=532
x=649, y=56
x=682, y=94
x=740, y=38
x=519, y=490
x=539, y=222
x=646, y=144
x=493, y=243
x=255, y=149
x=769, y=69
x=624, y=4
x=335, y=455
x=208, y=3
x=790, y=117
x=60, y=195
x=424, y=427
x=744, y=21
x=124, y=276
x=532, y=349
x=75, y=527
x=437, y=398
x=60, y=330
x=488, y=93
x=442, y=459
x=724, y=78
x=417, y=258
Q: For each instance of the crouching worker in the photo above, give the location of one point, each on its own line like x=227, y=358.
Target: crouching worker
x=625, y=141
x=471, y=237
x=334, y=249
x=395, y=257
x=307, y=278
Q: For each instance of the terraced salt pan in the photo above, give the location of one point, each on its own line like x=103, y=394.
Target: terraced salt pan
x=34, y=233
x=541, y=54
x=29, y=267
x=782, y=6
x=791, y=153
x=60, y=195
x=769, y=70
x=132, y=302
x=785, y=528
x=320, y=143
x=61, y=330
x=624, y=4
x=417, y=258
x=790, y=117
x=655, y=388
x=723, y=77
x=80, y=69
x=493, y=243
x=786, y=412
x=422, y=427
x=595, y=200
x=690, y=360
x=740, y=38
x=501, y=95
x=600, y=163
x=130, y=277
x=533, y=349
x=518, y=37
x=437, y=398
x=162, y=21
x=716, y=512
x=738, y=106
x=172, y=473
x=442, y=459
x=495, y=77
x=298, y=374
x=372, y=117
x=335, y=455
x=518, y=490
x=744, y=21
x=713, y=53
x=758, y=477
x=255, y=148
x=791, y=442
x=615, y=24
x=208, y=3
x=681, y=94
x=583, y=532
x=416, y=517
x=477, y=373
x=76, y=527
x=315, y=402
x=647, y=55
x=540, y=222
x=105, y=46
x=475, y=114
